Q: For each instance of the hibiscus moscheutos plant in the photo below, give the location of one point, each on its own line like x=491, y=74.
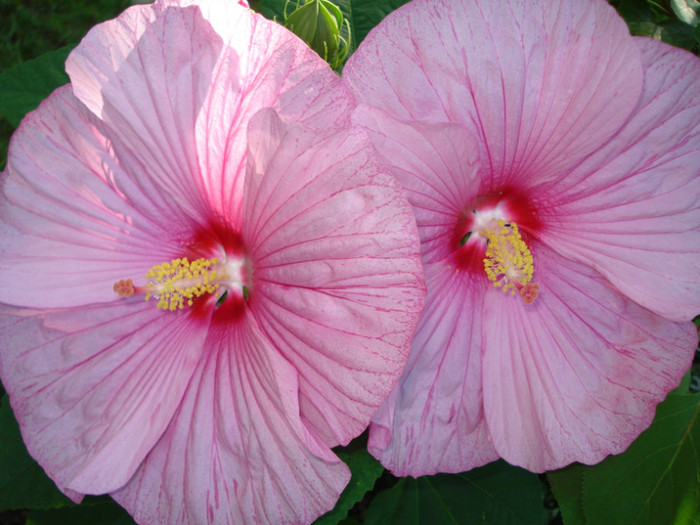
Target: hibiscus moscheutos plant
x=551, y=156
x=207, y=280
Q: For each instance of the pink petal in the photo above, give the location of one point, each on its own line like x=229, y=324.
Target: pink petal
x=632, y=211
x=542, y=84
x=94, y=389
x=265, y=132
x=180, y=118
x=437, y=164
x=338, y=284
x=576, y=375
x=434, y=419
x=67, y=205
x=237, y=450
x=151, y=92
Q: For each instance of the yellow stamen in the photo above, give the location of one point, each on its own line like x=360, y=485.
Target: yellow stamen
x=179, y=281
x=508, y=263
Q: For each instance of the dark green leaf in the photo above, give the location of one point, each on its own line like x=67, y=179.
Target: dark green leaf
x=496, y=494
x=656, y=480
x=23, y=87
x=23, y=483
x=107, y=513
x=677, y=34
x=655, y=20
x=567, y=486
x=684, y=386
x=365, y=471
x=365, y=14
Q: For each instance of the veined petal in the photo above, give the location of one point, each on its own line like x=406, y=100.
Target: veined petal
x=437, y=164
x=181, y=117
x=275, y=70
x=150, y=92
x=543, y=85
x=576, y=375
x=338, y=285
x=433, y=421
x=94, y=388
x=237, y=450
x=632, y=211
x=68, y=231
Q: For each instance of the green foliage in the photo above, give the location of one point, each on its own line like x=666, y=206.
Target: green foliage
x=23, y=483
x=29, y=28
x=567, y=486
x=496, y=494
x=365, y=471
x=23, y=87
x=656, y=19
x=105, y=512
x=656, y=480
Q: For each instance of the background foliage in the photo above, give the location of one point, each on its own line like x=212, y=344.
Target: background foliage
x=656, y=481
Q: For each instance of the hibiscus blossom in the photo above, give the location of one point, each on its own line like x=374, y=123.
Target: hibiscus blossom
x=549, y=155
x=201, y=159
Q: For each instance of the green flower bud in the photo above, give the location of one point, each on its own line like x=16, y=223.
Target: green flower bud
x=319, y=24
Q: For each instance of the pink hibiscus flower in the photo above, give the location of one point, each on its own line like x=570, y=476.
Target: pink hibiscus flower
x=549, y=153
x=201, y=159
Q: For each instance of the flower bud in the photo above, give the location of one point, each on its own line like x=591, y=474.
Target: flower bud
x=687, y=10
x=319, y=24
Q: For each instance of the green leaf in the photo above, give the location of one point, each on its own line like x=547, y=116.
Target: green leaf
x=497, y=493
x=365, y=471
x=23, y=483
x=567, y=486
x=656, y=480
x=365, y=14
x=23, y=87
x=105, y=513
x=362, y=15
x=654, y=20
x=684, y=386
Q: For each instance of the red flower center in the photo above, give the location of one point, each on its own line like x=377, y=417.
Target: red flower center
x=489, y=241
x=213, y=276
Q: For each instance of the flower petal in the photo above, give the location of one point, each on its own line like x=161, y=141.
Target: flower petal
x=632, y=211
x=437, y=164
x=576, y=375
x=433, y=421
x=338, y=284
x=542, y=84
x=237, y=450
x=64, y=211
x=150, y=92
x=94, y=388
x=180, y=117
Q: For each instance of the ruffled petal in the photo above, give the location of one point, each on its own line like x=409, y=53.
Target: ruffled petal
x=437, y=164
x=576, y=375
x=632, y=211
x=237, y=450
x=337, y=280
x=181, y=117
x=542, y=84
x=67, y=230
x=433, y=421
x=94, y=389
x=150, y=93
